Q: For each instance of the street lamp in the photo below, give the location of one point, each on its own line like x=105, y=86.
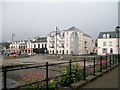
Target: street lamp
x=117, y=35
x=56, y=39
x=12, y=40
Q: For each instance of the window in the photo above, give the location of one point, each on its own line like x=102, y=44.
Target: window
x=104, y=50
x=71, y=39
x=62, y=45
x=67, y=44
x=67, y=51
x=42, y=45
x=111, y=50
x=57, y=52
x=60, y=51
x=53, y=52
x=104, y=36
x=104, y=43
x=108, y=35
x=34, y=45
x=45, y=45
x=67, y=33
x=38, y=45
x=63, y=52
x=110, y=43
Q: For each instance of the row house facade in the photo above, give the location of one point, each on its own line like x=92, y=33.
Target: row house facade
x=37, y=45
x=70, y=41
x=107, y=43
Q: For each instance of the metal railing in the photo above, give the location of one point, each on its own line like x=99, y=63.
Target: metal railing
x=111, y=60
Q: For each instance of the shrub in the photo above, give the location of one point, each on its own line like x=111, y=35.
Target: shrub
x=76, y=75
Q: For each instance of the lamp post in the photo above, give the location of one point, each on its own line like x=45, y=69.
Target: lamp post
x=56, y=39
x=12, y=40
x=117, y=34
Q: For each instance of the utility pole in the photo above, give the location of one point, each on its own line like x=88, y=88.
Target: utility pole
x=56, y=39
x=118, y=32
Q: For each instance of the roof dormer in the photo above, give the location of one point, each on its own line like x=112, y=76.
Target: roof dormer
x=104, y=36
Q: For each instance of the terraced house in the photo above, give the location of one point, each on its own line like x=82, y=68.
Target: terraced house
x=37, y=45
x=108, y=43
x=70, y=41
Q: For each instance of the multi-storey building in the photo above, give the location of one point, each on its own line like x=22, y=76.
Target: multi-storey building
x=37, y=45
x=24, y=46
x=70, y=41
x=107, y=43
x=40, y=45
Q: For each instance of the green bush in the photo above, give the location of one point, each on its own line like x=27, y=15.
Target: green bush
x=76, y=75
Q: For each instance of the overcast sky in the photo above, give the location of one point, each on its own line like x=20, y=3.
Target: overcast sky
x=30, y=19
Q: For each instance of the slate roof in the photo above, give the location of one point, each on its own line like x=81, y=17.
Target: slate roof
x=73, y=28
x=41, y=39
x=87, y=35
x=111, y=33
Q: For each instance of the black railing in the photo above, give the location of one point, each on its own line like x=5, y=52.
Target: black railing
x=92, y=69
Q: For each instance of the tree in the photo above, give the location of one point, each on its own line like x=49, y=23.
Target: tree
x=6, y=45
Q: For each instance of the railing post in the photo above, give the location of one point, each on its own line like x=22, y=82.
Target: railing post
x=110, y=60
x=101, y=64
x=47, y=79
x=94, y=67
x=84, y=69
x=106, y=62
x=113, y=59
x=5, y=78
x=118, y=58
x=70, y=72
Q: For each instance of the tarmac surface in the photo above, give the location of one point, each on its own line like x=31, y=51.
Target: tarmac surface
x=107, y=80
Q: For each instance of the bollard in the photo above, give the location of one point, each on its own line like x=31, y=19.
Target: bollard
x=94, y=67
x=84, y=69
x=47, y=80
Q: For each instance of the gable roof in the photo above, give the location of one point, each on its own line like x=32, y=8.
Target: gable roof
x=73, y=28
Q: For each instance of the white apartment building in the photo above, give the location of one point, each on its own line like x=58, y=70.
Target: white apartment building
x=37, y=45
x=70, y=41
x=107, y=43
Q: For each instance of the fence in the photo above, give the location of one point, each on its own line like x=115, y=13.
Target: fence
x=97, y=66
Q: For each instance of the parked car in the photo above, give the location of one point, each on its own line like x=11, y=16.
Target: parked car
x=10, y=53
x=31, y=54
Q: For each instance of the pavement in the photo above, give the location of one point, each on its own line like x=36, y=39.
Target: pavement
x=107, y=80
